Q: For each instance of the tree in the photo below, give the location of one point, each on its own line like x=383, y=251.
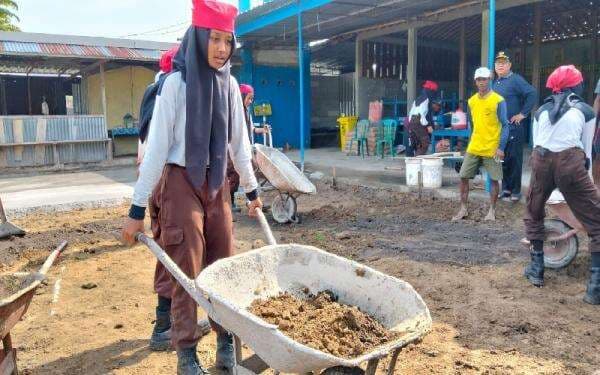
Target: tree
x=7, y=15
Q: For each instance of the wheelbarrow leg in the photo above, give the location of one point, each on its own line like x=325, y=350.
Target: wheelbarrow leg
x=372, y=366
x=238, y=349
x=10, y=357
x=393, y=361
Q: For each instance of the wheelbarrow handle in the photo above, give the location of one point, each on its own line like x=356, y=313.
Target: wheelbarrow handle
x=200, y=295
x=265, y=226
x=52, y=258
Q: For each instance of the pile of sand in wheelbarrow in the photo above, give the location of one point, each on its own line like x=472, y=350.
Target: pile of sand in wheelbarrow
x=322, y=323
x=10, y=284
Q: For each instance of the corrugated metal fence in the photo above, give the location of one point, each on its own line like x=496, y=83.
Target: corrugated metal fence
x=50, y=140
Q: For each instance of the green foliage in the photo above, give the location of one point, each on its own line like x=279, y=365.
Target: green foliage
x=8, y=16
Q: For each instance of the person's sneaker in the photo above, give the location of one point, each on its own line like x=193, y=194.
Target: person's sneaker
x=505, y=196
x=225, y=352
x=188, y=363
x=515, y=198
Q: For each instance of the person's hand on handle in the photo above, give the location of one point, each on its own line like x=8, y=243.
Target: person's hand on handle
x=130, y=229
x=252, y=206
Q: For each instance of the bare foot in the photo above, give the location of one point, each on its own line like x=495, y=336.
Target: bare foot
x=462, y=213
x=491, y=216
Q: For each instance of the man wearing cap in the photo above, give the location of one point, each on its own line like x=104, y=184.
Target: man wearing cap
x=198, y=119
x=420, y=120
x=487, y=112
x=520, y=99
x=563, y=131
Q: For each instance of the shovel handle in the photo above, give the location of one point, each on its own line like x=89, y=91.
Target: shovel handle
x=265, y=226
x=200, y=295
x=50, y=260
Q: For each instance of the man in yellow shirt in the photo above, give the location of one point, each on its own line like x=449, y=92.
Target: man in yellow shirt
x=487, y=111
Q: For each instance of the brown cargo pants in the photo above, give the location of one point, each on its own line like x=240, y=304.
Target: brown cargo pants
x=418, y=135
x=566, y=171
x=195, y=231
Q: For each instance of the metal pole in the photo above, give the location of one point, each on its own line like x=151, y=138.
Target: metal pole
x=302, y=83
x=492, y=34
x=491, y=54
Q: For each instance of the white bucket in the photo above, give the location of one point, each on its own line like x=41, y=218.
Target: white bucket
x=413, y=167
x=432, y=173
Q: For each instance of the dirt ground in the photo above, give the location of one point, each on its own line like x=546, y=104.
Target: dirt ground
x=487, y=319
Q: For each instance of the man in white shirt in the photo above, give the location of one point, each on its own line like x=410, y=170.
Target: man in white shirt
x=563, y=131
x=198, y=118
x=420, y=120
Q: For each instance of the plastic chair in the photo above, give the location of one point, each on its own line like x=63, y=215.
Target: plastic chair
x=361, y=133
x=386, y=136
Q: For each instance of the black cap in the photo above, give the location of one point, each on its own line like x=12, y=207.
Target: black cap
x=502, y=55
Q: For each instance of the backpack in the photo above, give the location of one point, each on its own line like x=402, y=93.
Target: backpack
x=147, y=106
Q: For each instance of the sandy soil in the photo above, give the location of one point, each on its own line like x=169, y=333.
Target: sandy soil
x=487, y=319
x=323, y=324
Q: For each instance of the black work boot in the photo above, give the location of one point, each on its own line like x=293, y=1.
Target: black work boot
x=592, y=295
x=225, y=352
x=188, y=363
x=160, y=340
x=535, y=270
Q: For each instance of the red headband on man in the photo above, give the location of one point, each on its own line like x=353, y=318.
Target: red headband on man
x=430, y=85
x=166, y=59
x=564, y=77
x=246, y=89
x=214, y=14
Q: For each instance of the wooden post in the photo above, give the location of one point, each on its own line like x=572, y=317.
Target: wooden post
x=358, y=68
x=594, y=56
x=537, y=42
x=411, y=68
x=462, y=68
x=103, y=93
x=485, y=37
x=29, y=92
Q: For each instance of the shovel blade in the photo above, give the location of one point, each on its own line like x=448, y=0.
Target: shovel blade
x=7, y=230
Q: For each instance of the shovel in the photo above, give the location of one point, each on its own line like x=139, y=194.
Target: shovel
x=7, y=229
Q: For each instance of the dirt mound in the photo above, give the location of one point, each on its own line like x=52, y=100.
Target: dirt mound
x=324, y=324
x=10, y=284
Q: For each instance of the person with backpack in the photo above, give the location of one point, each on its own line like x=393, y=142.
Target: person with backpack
x=563, y=131
x=149, y=99
x=198, y=120
x=420, y=120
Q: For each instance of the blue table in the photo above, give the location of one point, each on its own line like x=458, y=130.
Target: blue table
x=449, y=133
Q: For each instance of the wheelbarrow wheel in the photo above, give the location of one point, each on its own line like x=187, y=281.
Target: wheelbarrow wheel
x=341, y=370
x=284, y=209
x=559, y=254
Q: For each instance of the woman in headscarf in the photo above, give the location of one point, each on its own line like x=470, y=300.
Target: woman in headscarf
x=563, y=132
x=198, y=118
x=420, y=120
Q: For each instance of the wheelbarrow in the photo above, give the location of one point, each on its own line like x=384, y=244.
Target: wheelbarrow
x=13, y=308
x=227, y=288
x=286, y=178
x=562, y=244
x=7, y=229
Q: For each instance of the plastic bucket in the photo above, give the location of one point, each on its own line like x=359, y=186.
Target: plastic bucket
x=432, y=173
x=413, y=167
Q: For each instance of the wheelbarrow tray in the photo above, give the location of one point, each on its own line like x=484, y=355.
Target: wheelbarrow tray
x=232, y=284
x=279, y=170
x=13, y=308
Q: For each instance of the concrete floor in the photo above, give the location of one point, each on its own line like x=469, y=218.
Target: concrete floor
x=88, y=186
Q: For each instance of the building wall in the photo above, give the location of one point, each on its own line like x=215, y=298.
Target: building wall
x=124, y=91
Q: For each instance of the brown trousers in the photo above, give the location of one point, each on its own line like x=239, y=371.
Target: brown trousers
x=566, y=171
x=195, y=231
x=418, y=135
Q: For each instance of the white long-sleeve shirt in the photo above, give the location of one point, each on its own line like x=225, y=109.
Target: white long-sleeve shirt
x=166, y=139
x=572, y=130
x=421, y=109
